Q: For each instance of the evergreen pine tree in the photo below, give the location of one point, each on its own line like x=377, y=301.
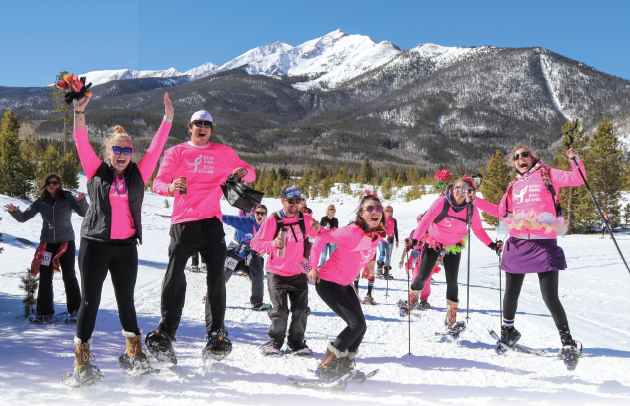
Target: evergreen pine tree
x=570, y=196
x=49, y=162
x=27, y=168
x=68, y=172
x=61, y=107
x=326, y=187
x=400, y=180
x=367, y=172
x=277, y=186
x=386, y=187
x=496, y=178
x=9, y=153
x=626, y=216
x=605, y=171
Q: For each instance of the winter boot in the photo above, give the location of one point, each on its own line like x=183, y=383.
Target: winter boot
x=424, y=305
x=347, y=363
x=159, y=345
x=369, y=300
x=271, y=349
x=450, y=322
x=379, y=269
x=328, y=369
x=571, y=351
x=509, y=335
x=194, y=268
x=134, y=360
x=219, y=346
x=386, y=274
x=85, y=373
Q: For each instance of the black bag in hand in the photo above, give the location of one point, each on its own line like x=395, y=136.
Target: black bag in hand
x=239, y=195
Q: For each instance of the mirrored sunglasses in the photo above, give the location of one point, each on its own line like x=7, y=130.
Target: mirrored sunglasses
x=463, y=189
x=370, y=209
x=119, y=150
x=260, y=213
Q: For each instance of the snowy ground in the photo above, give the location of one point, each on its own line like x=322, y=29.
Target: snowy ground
x=594, y=291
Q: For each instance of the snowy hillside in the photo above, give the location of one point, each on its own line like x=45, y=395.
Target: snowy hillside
x=594, y=291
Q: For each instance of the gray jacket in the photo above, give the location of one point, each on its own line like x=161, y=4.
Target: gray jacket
x=56, y=215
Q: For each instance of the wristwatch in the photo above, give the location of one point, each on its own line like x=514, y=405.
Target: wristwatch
x=168, y=120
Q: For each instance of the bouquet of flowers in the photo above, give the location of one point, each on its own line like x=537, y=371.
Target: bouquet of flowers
x=442, y=177
x=75, y=87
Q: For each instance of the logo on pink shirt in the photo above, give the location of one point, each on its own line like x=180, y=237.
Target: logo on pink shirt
x=196, y=164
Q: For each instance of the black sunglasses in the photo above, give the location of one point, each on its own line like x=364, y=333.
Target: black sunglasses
x=294, y=201
x=52, y=182
x=119, y=150
x=260, y=213
x=203, y=123
x=523, y=154
x=370, y=209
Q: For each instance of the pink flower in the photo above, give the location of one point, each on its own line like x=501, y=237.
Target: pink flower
x=444, y=175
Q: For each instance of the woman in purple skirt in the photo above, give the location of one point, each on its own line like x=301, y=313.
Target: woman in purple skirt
x=534, y=220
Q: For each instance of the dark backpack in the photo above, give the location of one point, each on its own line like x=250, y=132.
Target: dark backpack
x=444, y=213
x=300, y=222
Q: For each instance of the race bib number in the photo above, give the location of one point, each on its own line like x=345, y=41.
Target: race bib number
x=230, y=263
x=47, y=258
x=304, y=265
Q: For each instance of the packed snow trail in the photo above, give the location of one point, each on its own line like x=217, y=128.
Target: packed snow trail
x=594, y=291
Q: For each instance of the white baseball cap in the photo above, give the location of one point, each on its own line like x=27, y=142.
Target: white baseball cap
x=201, y=115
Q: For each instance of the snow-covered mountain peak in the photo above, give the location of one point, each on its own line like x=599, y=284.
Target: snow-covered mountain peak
x=104, y=76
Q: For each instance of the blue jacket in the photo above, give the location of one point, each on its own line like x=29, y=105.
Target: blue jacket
x=245, y=227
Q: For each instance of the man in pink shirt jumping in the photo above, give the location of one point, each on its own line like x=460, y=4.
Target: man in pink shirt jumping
x=283, y=236
x=194, y=171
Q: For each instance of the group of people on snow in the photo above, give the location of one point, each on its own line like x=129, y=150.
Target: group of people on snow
x=299, y=248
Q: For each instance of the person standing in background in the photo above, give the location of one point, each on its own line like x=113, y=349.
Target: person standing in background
x=328, y=222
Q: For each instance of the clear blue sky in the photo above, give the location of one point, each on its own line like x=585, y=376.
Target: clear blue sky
x=41, y=38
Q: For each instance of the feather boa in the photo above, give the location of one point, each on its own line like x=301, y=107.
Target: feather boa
x=534, y=221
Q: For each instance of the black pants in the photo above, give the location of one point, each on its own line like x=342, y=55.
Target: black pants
x=95, y=259
x=45, y=291
x=255, y=272
x=548, y=288
x=195, y=258
x=208, y=238
x=296, y=288
x=451, y=270
x=344, y=302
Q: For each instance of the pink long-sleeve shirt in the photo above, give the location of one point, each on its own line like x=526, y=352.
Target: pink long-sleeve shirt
x=294, y=252
x=532, y=194
x=122, y=222
x=450, y=231
x=390, y=225
x=206, y=169
x=352, y=254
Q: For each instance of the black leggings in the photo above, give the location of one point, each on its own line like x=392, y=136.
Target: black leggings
x=548, y=288
x=344, y=302
x=95, y=259
x=451, y=270
x=45, y=291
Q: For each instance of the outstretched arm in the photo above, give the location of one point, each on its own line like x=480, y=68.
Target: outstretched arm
x=89, y=160
x=28, y=214
x=150, y=158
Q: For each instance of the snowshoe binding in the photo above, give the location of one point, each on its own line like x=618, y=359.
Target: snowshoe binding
x=301, y=350
x=159, y=345
x=219, y=346
x=571, y=351
x=369, y=300
x=509, y=337
x=403, y=308
x=271, y=349
x=423, y=305
x=85, y=373
x=134, y=361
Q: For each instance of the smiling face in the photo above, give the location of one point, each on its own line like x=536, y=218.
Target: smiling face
x=389, y=212
x=374, y=218
x=199, y=135
x=523, y=164
x=53, y=186
x=260, y=215
x=120, y=161
x=290, y=206
x=460, y=196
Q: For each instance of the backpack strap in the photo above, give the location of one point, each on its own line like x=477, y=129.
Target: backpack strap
x=279, y=223
x=546, y=176
x=301, y=224
x=444, y=212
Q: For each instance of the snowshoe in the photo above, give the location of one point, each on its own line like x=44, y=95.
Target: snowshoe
x=43, y=318
x=502, y=348
x=509, y=337
x=403, y=308
x=136, y=366
x=159, y=345
x=454, y=331
x=261, y=307
x=270, y=349
x=570, y=355
x=83, y=375
x=423, y=305
x=369, y=300
x=301, y=350
x=72, y=317
x=219, y=346
x=338, y=381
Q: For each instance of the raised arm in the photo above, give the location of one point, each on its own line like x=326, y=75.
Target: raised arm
x=150, y=158
x=244, y=224
x=561, y=178
x=89, y=159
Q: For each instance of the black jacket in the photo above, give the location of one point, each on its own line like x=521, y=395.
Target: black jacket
x=56, y=215
x=97, y=224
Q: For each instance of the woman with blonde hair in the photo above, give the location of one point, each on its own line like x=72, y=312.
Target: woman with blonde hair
x=56, y=249
x=328, y=222
x=109, y=234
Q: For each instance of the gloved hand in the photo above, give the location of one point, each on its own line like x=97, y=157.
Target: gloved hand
x=390, y=240
x=496, y=246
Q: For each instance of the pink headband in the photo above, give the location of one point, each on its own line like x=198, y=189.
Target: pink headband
x=367, y=193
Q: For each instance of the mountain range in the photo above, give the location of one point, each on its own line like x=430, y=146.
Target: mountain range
x=341, y=97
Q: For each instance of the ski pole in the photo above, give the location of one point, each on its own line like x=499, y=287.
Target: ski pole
x=408, y=303
x=500, y=294
x=601, y=215
x=470, y=207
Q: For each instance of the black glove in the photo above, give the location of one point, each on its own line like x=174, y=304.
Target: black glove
x=390, y=240
x=495, y=247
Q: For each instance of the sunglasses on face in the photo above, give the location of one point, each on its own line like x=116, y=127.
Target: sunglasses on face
x=206, y=124
x=371, y=209
x=260, y=213
x=523, y=154
x=119, y=150
x=293, y=201
x=52, y=182
x=463, y=189
x=389, y=211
